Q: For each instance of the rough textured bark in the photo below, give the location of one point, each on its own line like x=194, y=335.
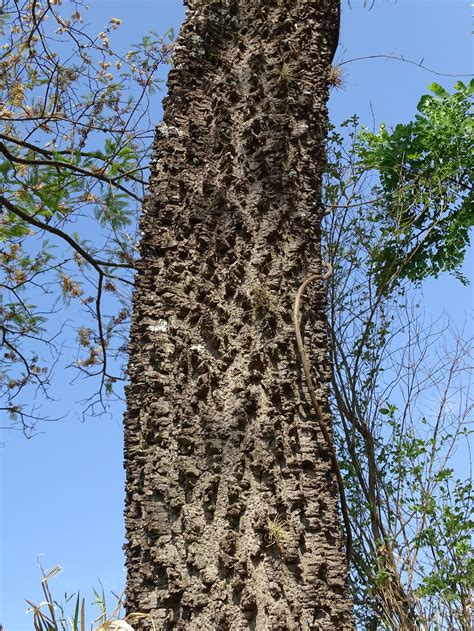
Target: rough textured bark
x=231, y=508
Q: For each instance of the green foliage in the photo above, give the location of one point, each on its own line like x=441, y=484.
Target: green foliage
x=449, y=527
x=425, y=196
x=401, y=404
x=414, y=473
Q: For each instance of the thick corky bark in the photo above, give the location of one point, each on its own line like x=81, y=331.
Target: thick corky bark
x=231, y=509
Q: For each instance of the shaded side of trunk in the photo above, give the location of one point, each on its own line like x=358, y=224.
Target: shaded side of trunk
x=231, y=508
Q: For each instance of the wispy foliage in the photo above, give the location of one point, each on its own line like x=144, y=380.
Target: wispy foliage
x=74, y=150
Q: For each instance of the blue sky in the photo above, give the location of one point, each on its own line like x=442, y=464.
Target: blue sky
x=62, y=492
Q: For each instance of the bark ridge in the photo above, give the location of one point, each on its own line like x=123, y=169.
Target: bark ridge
x=231, y=503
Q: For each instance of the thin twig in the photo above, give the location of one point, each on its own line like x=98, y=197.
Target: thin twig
x=408, y=61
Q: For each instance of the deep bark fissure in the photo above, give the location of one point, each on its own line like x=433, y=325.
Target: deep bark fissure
x=231, y=509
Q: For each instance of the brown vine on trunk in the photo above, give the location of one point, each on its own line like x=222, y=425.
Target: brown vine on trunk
x=232, y=501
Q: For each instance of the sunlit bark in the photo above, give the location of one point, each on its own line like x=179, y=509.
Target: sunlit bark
x=231, y=508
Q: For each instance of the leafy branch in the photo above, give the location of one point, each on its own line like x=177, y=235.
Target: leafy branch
x=75, y=141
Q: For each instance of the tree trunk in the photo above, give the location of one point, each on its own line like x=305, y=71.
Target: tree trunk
x=231, y=507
